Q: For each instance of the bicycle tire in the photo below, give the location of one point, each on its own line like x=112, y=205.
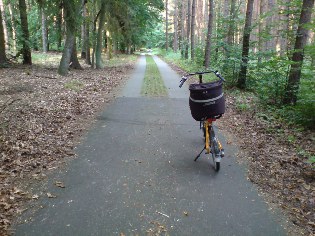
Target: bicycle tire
x=215, y=151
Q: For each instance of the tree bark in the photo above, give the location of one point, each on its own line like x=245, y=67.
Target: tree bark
x=209, y=35
x=241, y=83
x=260, y=29
x=70, y=16
x=5, y=29
x=26, y=50
x=66, y=55
x=59, y=25
x=193, y=24
x=175, y=42
x=12, y=19
x=83, y=31
x=44, y=30
x=99, y=42
x=87, y=45
x=182, y=30
x=188, y=29
x=74, y=62
x=230, y=37
x=3, y=57
x=293, y=84
x=166, y=25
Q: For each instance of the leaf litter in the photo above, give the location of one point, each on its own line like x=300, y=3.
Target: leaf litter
x=275, y=164
x=42, y=116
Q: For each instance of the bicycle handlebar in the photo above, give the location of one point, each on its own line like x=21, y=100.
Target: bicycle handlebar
x=185, y=77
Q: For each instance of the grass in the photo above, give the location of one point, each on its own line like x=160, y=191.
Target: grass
x=46, y=58
x=74, y=85
x=119, y=60
x=153, y=84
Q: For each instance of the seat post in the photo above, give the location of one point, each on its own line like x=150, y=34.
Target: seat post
x=200, y=78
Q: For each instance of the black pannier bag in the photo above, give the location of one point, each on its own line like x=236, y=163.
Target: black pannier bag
x=206, y=100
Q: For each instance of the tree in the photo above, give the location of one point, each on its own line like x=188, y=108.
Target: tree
x=166, y=25
x=26, y=50
x=70, y=12
x=12, y=19
x=193, y=24
x=209, y=35
x=241, y=83
x=3, y=57
x=293, y=84
x=41, y=4
x=175, y=41
x=99, y=41
x=83, y=30
x=188, y=28
x=5, y=31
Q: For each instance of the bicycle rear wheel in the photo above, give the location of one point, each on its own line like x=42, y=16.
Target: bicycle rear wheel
x=215, y=151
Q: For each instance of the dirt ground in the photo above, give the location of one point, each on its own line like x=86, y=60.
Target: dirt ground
x=42, y=116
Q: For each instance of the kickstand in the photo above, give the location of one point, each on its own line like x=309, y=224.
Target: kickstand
x=199, y=154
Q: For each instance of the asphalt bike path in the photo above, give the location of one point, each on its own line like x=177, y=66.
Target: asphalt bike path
x=135, y=175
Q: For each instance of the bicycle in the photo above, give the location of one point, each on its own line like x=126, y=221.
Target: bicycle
x=207, y=104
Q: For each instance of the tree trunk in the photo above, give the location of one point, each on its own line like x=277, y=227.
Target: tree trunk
x=188, y=29
x=293, y=84
x=12, y=19
x=74, y=62
x=99, y=42
x=241, y=83
x=59, y=26
x=44, y=30
x=87, y=45
x=5, y=29
x=260, y=29
x=182, y=30
x=3, y=57
x=230, y=37
x=312, y=42
x=70, y=16
x=175, y=42
x=66, y=55
x=166, y=25
x=83, y=31
x=26, y=50
x=209, y=35
x=193, y=24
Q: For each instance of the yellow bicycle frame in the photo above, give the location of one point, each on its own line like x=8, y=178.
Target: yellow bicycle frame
x=207, y=125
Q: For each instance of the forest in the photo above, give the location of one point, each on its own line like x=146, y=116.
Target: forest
x=262, y=46
x=265, y=50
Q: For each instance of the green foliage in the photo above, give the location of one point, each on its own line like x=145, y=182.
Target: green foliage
x=268, y=79
x=311, y=160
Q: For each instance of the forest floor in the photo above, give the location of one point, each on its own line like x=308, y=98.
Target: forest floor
x=43, y=114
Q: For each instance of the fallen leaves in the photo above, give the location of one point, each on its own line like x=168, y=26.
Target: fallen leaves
x=274, y=163
x=41, y=117
x=50, y=195
x=60, y=184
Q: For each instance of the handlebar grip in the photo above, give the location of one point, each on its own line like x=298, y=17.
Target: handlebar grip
x=219, y=76
x=183, y=80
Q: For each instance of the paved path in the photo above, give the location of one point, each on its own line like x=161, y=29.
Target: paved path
x=135, y=175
